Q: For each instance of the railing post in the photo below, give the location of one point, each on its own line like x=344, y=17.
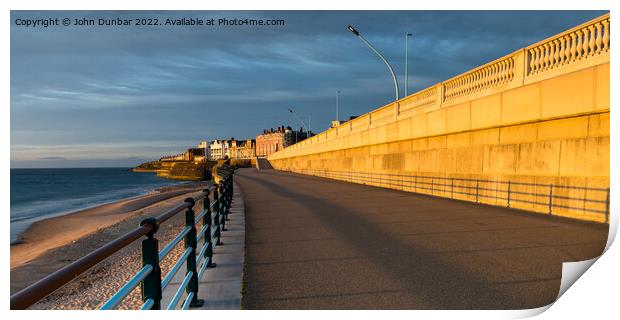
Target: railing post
x=190, y=242
x=607, y=207
x=477, y=189
x=207, y=221
x=216, y=219
x=452, y=188
x=550, y=197
x=229, y=193
x=508, y=195
x=224, y=201
x=151, y=285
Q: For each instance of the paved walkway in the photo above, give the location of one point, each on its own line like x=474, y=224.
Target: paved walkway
x=314, y=243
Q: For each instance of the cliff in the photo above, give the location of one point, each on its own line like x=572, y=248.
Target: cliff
x=177, y=170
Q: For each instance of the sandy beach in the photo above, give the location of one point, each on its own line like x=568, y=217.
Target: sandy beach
x=50, y=244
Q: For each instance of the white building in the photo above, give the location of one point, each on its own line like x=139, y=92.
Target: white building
x=218, y=149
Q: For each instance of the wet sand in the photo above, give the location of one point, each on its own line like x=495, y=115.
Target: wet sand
x=50, y=244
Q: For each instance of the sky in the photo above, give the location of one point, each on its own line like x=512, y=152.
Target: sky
x=101, y=96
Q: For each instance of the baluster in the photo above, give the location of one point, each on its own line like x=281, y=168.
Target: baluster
x=488, y=77
x=498, y=72
x=476, y=76
x=586, y=42
x=579, y=44
x=541, y=59
x=551, y=55
x=598, y=37
x=606, y=35
x=452, y=90
x=532, y=53
x=562, y=50
x=502, y=71
x=567, y=49
x=490, y=73
x=507, y=75
x=509, y=69
x=499, y=69
x=546, y=56
x=592, y=41
x=573, y=47
x=557, y=50
x=475, y=79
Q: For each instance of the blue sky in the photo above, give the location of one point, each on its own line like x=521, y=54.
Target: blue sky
x=117, y=96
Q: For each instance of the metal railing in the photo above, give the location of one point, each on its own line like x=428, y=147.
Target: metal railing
x=549, y=198
x=216, y=206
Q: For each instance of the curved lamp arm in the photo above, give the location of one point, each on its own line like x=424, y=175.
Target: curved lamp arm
x=355, y=32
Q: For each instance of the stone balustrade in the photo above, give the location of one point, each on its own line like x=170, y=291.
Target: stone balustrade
x=491, y=75
x=578, y=48
x=573, y=46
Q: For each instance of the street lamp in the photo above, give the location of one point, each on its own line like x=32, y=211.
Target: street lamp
x=337, y=106
x=357, y=33
x=302, y=123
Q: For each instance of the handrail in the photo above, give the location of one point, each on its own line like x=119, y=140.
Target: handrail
x=150, y=273
x=177, y=295
x=148, y=304
x=116, y=299
x=175, y=268
x=174, y=242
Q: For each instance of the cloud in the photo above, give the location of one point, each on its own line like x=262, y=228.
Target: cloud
x=89, y=86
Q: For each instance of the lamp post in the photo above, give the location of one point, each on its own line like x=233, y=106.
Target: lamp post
x=407, y=35
x=357, y=33
x=303, y=125
x=337, y=106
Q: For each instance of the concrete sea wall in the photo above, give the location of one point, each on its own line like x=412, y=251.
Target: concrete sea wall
x=529, y=130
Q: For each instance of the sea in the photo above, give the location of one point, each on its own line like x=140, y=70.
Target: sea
x=37, y=194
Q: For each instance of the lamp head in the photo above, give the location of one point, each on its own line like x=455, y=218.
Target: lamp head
x=353, y=30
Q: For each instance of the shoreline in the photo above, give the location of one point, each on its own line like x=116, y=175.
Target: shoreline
x=57, y=231
x=152, y=191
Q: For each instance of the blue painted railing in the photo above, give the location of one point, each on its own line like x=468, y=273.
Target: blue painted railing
x=215, y=203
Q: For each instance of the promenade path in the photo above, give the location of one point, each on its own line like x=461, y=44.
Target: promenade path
x=315, y=243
